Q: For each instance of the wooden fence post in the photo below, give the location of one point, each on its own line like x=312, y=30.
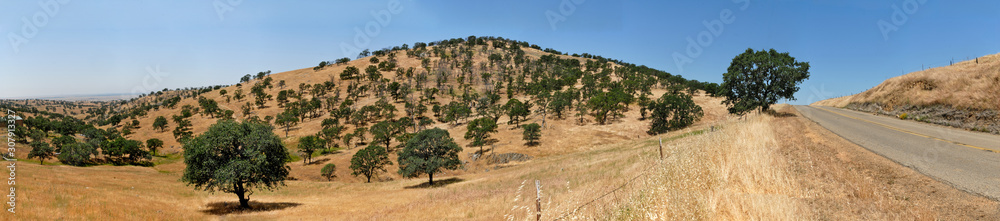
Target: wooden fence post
x=661, y=148
x=538, y=200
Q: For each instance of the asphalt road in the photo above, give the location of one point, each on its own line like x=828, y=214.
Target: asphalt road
x=969, y=161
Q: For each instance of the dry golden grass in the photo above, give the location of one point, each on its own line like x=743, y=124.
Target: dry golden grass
x=751, y=169
x=730, y=174
x=575, y=163
x=966, y=84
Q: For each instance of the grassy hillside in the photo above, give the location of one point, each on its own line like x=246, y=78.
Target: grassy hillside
x=964, y=95
x=585, y=168
x=459, y=69
x=971, y=84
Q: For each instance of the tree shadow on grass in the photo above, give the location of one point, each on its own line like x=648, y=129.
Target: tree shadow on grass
x=226, y=208
x=437, y=183
x=319, y=161
x=779, y=114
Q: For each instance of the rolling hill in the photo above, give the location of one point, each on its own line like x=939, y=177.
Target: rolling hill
x=964, y=95
x=455, y=68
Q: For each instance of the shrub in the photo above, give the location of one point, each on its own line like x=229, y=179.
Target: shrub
x=328, y=171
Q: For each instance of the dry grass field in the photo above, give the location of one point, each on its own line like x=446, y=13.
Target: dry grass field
x=756, y=168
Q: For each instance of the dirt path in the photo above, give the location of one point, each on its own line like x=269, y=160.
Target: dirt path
x=843, y=181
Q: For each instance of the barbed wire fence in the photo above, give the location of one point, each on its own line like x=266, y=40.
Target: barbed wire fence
x=630, y=183
x=939, y=63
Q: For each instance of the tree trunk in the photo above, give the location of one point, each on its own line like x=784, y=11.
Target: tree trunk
x=244, y=200
x=430, y=177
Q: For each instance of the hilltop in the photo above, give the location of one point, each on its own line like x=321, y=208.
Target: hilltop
x=965, y=95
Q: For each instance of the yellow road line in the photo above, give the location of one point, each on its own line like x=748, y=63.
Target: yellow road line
x=910, y=132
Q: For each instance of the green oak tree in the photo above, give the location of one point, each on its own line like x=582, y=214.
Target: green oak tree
x=671, y=112
x=236, y=158
x=41, y=150
x=153, y=144
x=532, y=133
x=758, y=79
x=429, y=152
x=160, y=123
x=329, y=171
x=517, y=111
x=309, y=145
x=369, y=161
x=479, y=131
x=286, y=120
x=77, y=154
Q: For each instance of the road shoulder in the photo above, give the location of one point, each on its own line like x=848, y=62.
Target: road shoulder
x=844, y=181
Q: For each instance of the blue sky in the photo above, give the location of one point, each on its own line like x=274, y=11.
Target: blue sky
x=100, y=47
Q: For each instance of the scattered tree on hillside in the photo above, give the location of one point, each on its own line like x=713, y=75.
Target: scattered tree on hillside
x=383, y=132
x=283, y=97
x=134, y=125
x=608, y=104
x=349, y=73
x=561, y=101
x=347, y=139
x=456, y=110
x=329, y=171
x=517, y=111
x=183, y=129
x=671, y=112
x=372, y=73
x=479, y=131
x=532, y=133
x=153, y=144
x=124, y=151
x=359, y=133
x=245, y=78
x=41, y=150
x=343, y=60
x=429, y=152
x=369, y=161
x=208, y=106
x=62, y=141
x=758, y=79
x=321, y=65
x=236, y=158
x=287, y=120
x=364, y=53
x=160, y=123
x=77, y=154
x=238, y=94
x=331, y=134
x=309, y=145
